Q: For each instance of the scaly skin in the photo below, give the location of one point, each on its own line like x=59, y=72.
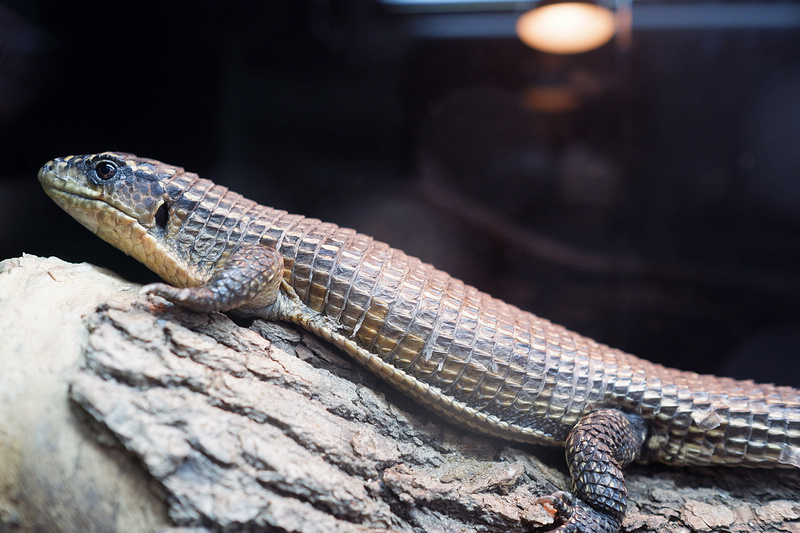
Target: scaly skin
x=474, y=359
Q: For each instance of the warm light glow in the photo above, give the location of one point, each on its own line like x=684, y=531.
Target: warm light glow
x=553, y=99
x=567, y=28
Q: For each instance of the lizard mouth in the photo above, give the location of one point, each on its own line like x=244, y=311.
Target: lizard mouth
x=71, y=198
x=77, y=200
x=58, y=182
x=84, y=210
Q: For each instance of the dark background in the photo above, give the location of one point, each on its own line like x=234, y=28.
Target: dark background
x=648, y=197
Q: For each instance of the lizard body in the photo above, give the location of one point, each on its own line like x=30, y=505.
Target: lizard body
x=474, y=359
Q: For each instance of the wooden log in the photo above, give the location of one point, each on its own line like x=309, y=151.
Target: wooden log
x=265, y=427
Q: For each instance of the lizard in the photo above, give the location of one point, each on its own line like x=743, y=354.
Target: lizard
x=475, y=360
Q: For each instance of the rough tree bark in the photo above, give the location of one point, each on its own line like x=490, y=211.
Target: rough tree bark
x=210, y=425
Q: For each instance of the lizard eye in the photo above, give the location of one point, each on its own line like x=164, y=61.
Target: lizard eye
x=105, y=170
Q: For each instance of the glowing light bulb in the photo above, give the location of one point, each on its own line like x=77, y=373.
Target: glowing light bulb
x=566, y=28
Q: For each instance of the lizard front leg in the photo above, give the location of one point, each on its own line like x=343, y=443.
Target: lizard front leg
x=598, y=447
x=250, y=278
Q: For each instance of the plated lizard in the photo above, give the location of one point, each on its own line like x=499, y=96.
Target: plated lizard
x=474, y=359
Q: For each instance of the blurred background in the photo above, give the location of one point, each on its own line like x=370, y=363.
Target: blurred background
x=645, y=193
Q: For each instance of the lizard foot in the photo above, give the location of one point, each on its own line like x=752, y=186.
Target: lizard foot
x=576, y=516
x=597, y=448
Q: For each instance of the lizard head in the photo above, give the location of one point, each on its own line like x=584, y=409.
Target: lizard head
x=120, y=197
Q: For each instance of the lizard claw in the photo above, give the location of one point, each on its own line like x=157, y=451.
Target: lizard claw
x=576, y=516
x=558, y=505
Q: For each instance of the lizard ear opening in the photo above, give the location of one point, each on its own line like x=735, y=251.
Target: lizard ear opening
x=162, y=216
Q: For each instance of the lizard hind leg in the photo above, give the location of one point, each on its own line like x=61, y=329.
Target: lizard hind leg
x=249, y=279
x=598, y=447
